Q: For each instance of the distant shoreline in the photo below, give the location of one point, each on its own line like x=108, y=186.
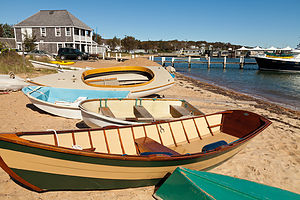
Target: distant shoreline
x=272, y=107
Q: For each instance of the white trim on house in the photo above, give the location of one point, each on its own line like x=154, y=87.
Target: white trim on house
x=57, y=32
x=43, y=34
x=68, y=33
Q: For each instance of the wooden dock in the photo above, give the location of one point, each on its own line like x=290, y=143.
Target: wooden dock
x=208, y=61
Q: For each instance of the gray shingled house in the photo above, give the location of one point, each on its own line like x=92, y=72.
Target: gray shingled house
x=55, y=29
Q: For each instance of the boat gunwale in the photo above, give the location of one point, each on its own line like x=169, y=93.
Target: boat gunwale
x=66, y=150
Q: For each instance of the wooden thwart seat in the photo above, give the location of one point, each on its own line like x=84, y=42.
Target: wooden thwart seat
x=146, y=144
x=106, y=111
x=141, y=112
x=178, y=111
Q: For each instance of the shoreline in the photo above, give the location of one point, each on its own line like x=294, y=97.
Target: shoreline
x=271, y=106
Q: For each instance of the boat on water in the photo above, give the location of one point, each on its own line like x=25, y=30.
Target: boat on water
x=140, y=81
x=64, y=102
x=10, y=82
x=191, y=184
x=284, y=62
x=127, y=156
x=120, y=112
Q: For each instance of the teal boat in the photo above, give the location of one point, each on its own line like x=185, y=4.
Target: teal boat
x=191, y=184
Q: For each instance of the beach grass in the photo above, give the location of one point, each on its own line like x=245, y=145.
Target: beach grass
x=10, y=61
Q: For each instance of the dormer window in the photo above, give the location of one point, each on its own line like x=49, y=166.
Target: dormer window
x=68, y=31
x=43, y=32
x=57, y=32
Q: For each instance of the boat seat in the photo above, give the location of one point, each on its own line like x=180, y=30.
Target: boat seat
x=178, y=111
x=141, y=112
x=146, y=144
x=106, y=111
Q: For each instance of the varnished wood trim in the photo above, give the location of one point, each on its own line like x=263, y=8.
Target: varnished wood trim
x=185, y=132
x=213, y=126
x=145, y=130
x=196, y=126
x=208, y=126
x=73, y=138
x=136, y=148
x=172, y=134
x=55, y=139
x=108, y=151
x=122, y=147
x=16, y=177
x=159, y=134
x=90, y=138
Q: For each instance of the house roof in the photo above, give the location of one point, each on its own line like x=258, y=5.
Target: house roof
x=53, y=18
x=8, y=42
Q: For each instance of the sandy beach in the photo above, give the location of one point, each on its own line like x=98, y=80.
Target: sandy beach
x=271, y=158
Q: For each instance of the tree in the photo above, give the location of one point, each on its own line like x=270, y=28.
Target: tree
x=29, y=42
x=6, y=31
x=129, y=43
x=114, y=42
x=97, y=38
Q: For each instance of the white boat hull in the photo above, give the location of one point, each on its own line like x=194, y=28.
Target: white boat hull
x=71, y=112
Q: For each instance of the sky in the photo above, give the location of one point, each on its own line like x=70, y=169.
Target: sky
x=251, y=23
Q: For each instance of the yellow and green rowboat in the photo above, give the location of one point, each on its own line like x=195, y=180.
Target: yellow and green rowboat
x=128, y=156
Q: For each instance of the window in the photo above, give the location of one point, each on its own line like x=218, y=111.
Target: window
x=43, y=32
x=68, y=31
x=57, y=32
x=76, y=31
x=82, y=32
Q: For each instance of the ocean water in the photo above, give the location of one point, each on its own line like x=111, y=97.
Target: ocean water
x=278, y=87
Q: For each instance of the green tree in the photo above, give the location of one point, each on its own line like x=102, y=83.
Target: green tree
x=6, y=31
x=114, y=42
x=29, y=42
x=129, y=43
x=97, y=38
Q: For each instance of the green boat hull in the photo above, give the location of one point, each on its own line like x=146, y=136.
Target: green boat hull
x=190, y=184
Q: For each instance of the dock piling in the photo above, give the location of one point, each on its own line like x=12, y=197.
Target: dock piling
x=163, y=59
x=189, y=61
x=224, y=64
x=172, y=62
x=208, y=62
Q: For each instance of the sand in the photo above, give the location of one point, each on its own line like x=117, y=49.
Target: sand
x=271, y=158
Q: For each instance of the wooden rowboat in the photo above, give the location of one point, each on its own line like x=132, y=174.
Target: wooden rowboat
x=191, y=184
x=64, y=102
x=120, y=112
x=128, y=156
x=140, y=81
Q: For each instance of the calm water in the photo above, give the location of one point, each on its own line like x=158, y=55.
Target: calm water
x=279, y=87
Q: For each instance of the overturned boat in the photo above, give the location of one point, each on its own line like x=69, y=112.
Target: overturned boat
x=191, y=184
x=64, y=102
x=140, y=81
x=120, y=112
x=127, y=156
x=10, y=82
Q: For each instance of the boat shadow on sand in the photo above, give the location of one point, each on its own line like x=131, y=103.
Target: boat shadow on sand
x=36, y=109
